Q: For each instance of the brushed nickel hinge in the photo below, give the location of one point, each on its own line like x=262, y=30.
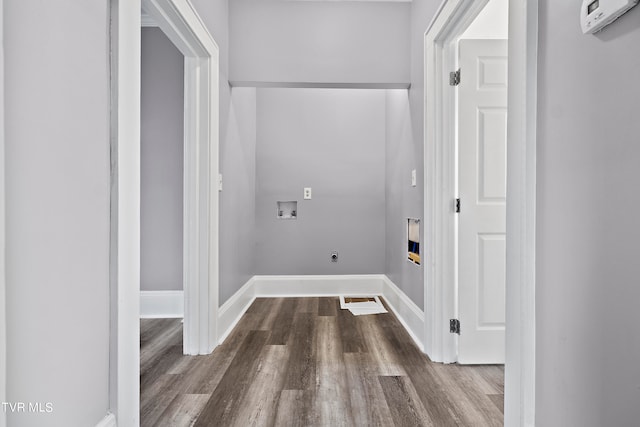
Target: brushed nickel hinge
x=454, y=78
x=454, y=326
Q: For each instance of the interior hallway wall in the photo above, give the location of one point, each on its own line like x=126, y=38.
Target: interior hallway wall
x=3, y=299
x=235, y=114
x=162, y=162
x=57, y=210
x=332, y=140
x=404, y=152
x=587, y=269
x=238, y=199
x=319, y=41
x=402, y=200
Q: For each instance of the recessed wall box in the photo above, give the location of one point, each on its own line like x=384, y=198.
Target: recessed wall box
x=287, y=210
x=597, y=14
x=413, y=240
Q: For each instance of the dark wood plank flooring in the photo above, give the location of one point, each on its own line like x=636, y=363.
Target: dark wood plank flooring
x=306, y=362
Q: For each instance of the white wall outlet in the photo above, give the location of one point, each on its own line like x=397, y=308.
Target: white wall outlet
x=307, y=193
x=414, y=181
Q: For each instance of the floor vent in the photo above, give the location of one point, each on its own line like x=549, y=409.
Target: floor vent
x=359, y=305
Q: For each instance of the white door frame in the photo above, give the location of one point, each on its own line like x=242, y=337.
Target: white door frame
x=182, y=25
x=451, y=20
x=439, y=185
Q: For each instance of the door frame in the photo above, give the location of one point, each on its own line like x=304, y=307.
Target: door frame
x=440, y=297
x=182, y=25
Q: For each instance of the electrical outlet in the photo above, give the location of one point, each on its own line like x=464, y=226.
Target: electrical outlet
x=307, y=193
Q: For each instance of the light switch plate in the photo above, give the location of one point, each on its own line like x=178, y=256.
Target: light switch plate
x=413, y=178
x=307, y=193
x=219, y=182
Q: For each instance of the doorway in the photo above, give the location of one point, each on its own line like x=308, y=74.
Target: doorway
x=185, y=29
x=441, y=193
x=161, y=174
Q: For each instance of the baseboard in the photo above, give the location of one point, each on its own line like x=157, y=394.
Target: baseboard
x=318, y=286
x=407, y=312
x=161, y=304
x=232, y=310
x=108, y=421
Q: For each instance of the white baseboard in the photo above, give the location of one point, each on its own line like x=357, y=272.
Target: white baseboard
x=232, y=310
x=108, y=421
x=161, y=304
x=318, y=286
x=407, y=312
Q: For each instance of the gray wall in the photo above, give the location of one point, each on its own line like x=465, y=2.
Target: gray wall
x=402, y=200
x=215, y=15
x=57, y=177
x=331, y=140
x=319, y=41
x=404, y=152
x=161, y=173
x=57, y=171
x=237, y=217
x=587, y=370
x=57, y=198
x=588, y=274
x=3, y=304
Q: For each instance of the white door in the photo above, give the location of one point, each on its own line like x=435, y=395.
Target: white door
x=482, y=160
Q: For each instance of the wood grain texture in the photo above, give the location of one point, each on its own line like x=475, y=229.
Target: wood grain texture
x=301, y=372
x=281, y=328
x=223, y=408
x=368, y=403
x=404, y=403
x=261, y=399
x=350, y=331
x=183, y=410
x=295, y=408
x=327, y=307
x=332, y=401
x=306, y=362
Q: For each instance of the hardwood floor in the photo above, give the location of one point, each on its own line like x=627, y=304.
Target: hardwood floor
x=306, y=362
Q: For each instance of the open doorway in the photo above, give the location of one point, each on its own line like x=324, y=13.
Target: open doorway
x=179, y=23
x=161, y=174
x=185, y=29
x=441, y=193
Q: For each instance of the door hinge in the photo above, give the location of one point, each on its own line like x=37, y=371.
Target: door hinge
x=457, y=206
x=454, y=78
x=454, y=326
